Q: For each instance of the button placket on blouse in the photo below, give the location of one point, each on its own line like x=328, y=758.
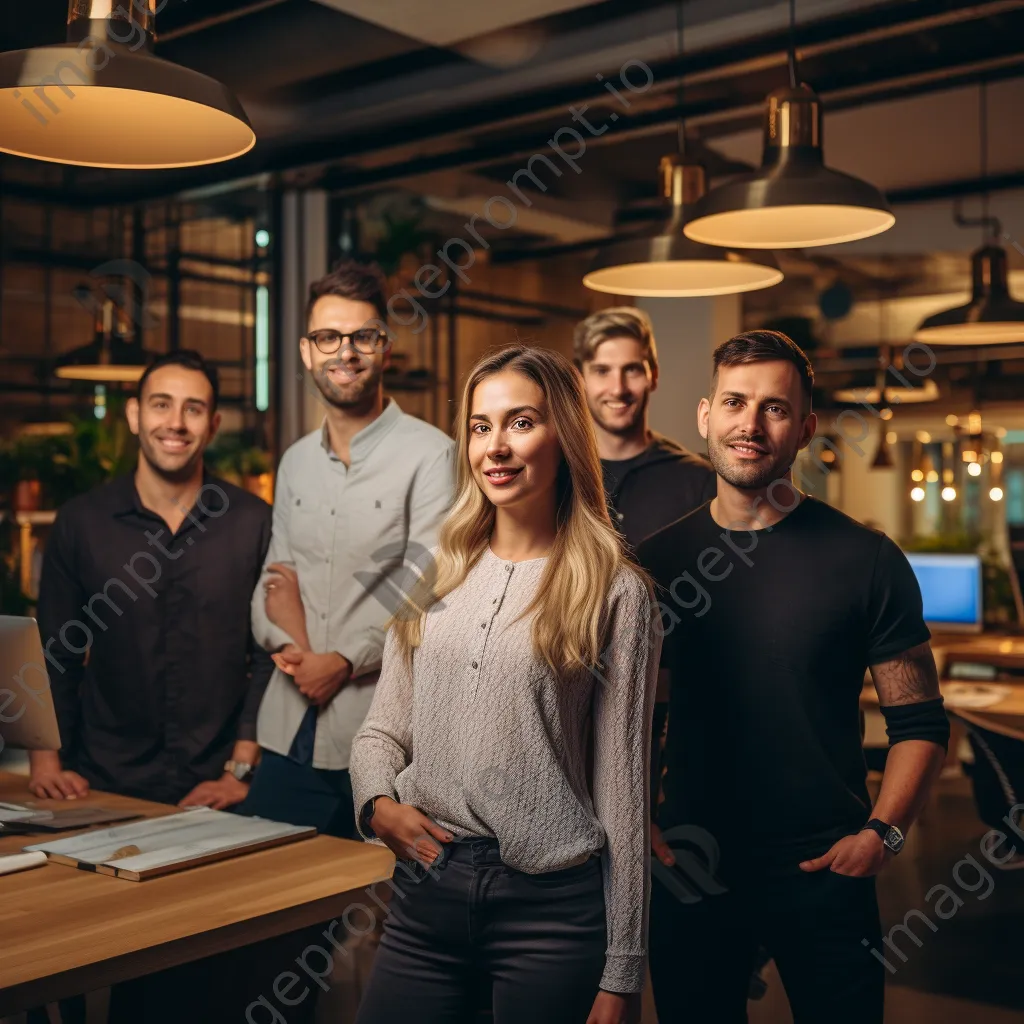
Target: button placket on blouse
x=476, y=663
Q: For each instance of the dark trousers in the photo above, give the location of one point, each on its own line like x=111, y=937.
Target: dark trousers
x=474, y=932
x=299, y=794
x=702, y=951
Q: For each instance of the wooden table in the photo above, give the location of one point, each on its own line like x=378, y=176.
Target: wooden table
x=66, y=931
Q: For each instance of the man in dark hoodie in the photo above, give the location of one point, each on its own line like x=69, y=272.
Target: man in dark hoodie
x=649, y=479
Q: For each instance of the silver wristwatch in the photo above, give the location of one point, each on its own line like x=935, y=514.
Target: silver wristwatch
x=241, y=770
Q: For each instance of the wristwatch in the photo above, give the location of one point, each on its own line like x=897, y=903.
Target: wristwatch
x=891, y=836
x=241, y=770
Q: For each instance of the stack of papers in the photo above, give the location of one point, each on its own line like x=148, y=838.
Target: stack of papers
x=158, y=846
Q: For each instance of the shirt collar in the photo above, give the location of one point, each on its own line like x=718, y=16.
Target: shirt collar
x=125, y=500
x=369, y=437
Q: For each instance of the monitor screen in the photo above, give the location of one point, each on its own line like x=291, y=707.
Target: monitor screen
x=951, y=589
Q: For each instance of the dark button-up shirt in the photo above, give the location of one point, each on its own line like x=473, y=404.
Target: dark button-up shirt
x=152, y=663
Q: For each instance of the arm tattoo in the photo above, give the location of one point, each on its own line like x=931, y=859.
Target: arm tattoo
x=907, y=679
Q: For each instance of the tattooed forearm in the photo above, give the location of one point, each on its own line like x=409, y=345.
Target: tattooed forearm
x=907, y=679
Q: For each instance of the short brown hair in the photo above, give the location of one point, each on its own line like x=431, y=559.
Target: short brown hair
x=765, y=347
x=616, y=322
x=349, y=279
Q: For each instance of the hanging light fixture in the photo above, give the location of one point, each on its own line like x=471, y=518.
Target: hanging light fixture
x=992, y=316
x=108, y=358
x=670, y=265
x=793, y=199
x=667, y=264
x=102, y=99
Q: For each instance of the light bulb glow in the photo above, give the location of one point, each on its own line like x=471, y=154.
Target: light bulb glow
x=952, y=419
x=917, y=475
x=996, y=494
x=996, y=457
x=263, y=238
x=933, y=476
x=949, y=493
x=974, y=468
x=917, y=494
x=885, y=413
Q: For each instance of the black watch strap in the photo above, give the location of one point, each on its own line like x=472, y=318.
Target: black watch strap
x=890, y=835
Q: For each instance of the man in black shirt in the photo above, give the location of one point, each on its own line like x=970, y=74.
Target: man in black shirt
x=649, y=479
x=144, y=614
x=774, y=606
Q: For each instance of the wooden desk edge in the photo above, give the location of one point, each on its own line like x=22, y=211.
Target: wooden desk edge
x=90, y=977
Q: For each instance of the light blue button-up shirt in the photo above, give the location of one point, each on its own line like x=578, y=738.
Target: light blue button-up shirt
x=350, y=533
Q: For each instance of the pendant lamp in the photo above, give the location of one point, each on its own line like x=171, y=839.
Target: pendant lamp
x=102, y=99
x=992, y=316
x=793, y=200
x=108, y=358
x=668, y=264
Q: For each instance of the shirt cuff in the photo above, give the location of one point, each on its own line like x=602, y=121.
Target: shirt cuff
x=623, y=973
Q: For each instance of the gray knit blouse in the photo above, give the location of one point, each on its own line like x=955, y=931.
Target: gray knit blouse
x=484, y=739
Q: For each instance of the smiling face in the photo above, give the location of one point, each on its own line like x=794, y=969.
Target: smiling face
x=619, y=382
x=514, y=453
x=174, y=420
x=345, y=378
x=754, y=423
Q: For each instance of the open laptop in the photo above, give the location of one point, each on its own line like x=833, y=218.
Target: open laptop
x=27, y=717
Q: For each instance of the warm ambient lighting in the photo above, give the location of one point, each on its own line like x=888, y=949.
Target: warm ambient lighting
x=952, y=419
x=793, y=199
x=996, y=456
x=108, y=358
x=923, y=436
x=996, y=494
x=917, y=475
x=917, y=494
x=927, y=392
x=96, y=102
x=992, y=316
x=668, y=264
x=948, y=493
x=891, y=437
x=974, y=469
x=885, y=413
x=932, y=476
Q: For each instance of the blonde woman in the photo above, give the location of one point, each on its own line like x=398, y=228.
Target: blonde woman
x=505, y=757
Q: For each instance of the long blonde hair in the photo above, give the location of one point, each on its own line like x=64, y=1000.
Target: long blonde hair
x=570, y=602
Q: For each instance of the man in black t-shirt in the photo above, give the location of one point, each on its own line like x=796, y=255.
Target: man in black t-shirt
x=774, y=606
x=649, y=479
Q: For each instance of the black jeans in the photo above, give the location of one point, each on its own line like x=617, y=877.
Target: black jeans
x=474, y=932
x=702, y=951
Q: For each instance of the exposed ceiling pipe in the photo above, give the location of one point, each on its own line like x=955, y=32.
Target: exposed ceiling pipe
x=216, y=19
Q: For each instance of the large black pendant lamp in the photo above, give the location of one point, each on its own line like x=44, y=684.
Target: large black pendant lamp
x=667, y=264
x=793, y=200
x=992, y=316
x=102, y=99
x=670, y=265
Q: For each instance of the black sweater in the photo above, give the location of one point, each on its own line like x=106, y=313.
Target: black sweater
x=660, y=485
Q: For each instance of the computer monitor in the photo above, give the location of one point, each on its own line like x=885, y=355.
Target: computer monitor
x=27, y=717
x=951, y=587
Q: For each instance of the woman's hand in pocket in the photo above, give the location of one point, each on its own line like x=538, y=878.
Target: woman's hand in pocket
x=407, y=832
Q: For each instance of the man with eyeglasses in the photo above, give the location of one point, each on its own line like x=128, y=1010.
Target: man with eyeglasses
x=357, y=502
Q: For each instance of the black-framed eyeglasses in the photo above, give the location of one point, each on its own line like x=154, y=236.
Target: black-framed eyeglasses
x=366, y=340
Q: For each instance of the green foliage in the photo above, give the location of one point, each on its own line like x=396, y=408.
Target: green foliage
x=232, y=457
x=93, y=453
